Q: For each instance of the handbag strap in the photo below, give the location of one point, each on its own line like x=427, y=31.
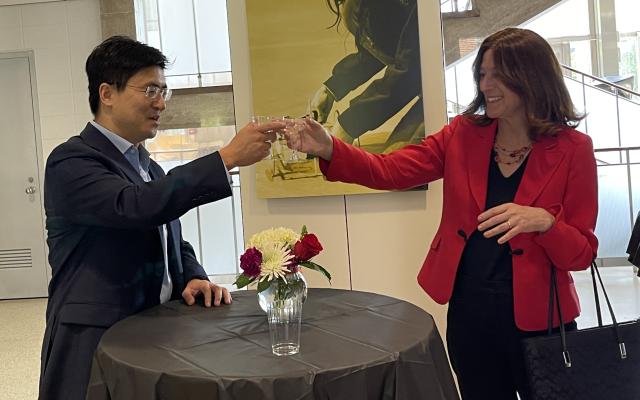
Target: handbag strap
x=616, y=329
x=595, y=294
x=555, y=293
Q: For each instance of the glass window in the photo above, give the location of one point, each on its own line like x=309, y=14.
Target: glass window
x=554, y=22
x=211, y=23
x=200, y=119
x=452, y=6
x=193, y=34
x=214, y=230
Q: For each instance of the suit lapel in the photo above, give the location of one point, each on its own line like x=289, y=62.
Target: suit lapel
x=98, y=141
x=478, y=156
x=544, y=159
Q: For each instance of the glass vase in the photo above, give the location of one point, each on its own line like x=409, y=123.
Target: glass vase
x=294, y=288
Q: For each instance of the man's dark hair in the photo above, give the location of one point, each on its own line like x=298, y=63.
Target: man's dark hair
x=115, y=61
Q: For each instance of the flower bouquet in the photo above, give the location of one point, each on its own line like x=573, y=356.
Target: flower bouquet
x=274, y=257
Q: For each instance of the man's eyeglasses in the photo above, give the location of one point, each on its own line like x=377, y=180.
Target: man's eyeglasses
x=152, y=92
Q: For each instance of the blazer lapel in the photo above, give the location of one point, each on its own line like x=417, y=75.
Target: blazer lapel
x=98, y=141
x=544, y=159
x=478, y=156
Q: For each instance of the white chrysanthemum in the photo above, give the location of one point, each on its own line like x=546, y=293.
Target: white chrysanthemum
x=274, y=262
x=275, y=236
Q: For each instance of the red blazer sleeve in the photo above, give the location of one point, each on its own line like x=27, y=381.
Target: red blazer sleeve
x=571, y=243
x=411, y=166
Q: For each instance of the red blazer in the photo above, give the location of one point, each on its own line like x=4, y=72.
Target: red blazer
x=560, y=176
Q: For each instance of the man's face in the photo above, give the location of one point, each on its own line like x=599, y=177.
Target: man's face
x=135, y=115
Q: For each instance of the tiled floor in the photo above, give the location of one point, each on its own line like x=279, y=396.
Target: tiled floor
x=21, y=330
x=22, y=326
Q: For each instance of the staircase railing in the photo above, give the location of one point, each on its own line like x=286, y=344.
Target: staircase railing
x=618, y=159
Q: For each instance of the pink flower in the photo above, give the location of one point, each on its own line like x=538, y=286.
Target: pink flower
x=250, y=262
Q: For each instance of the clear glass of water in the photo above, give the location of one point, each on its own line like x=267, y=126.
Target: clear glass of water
x=285, y=317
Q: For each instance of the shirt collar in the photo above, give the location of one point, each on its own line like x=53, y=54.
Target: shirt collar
x=121, y=144
x=132, y=153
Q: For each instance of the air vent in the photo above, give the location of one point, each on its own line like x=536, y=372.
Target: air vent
x=15, y=258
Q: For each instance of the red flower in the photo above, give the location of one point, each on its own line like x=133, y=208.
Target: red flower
x=250, y=262
x=307, y=247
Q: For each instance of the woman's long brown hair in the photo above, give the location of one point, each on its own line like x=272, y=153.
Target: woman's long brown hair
x=526, y=64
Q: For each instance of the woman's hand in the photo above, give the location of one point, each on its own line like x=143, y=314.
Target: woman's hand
x=310, y=137
x=512, y=219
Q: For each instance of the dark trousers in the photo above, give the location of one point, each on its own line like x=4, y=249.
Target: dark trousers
x=484, y=342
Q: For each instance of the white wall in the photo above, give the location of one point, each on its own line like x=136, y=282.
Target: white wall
x=373, y=242
x=61, y=34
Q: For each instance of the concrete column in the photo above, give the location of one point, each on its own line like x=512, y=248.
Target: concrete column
x=607, y=34
x=117, y=18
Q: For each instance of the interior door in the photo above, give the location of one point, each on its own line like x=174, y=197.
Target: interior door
x=22, y=247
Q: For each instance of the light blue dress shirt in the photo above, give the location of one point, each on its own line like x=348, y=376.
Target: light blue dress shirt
x=139, y=158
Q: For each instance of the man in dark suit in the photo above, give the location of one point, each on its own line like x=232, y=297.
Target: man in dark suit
x=115, y=242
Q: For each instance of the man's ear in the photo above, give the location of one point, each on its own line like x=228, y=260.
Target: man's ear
x=106, y=92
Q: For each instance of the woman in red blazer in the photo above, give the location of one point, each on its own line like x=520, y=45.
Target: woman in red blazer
x=520, y=195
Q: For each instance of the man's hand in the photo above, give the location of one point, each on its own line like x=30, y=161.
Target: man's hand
x=322, y=103
x=250, y=145
x=197, y=287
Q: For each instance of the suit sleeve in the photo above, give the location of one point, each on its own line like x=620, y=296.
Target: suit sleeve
x=411, y=166
x=571, y=243
x=85, y=188
x=190, y=265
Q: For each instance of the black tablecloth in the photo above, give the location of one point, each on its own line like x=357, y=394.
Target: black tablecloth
x=353, y=346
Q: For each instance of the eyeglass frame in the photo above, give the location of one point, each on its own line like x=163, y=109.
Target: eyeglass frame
x=152, y=92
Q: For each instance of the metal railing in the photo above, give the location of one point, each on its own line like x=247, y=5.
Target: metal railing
x=611, y=160
x=620, y=93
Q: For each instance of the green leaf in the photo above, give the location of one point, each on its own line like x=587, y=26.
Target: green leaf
x=304, y=230
x=316, y=267
x=263, y=285
x=243, y=281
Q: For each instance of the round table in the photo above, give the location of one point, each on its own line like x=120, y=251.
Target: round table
x=353, y=345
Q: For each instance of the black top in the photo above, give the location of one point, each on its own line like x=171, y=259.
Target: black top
x=484, y=259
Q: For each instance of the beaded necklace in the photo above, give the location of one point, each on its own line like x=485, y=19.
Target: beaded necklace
x=509, y=157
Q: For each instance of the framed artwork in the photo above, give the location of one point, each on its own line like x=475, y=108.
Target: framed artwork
x=354, y=65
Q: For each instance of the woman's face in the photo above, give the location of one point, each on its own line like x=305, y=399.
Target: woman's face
x=501, y=102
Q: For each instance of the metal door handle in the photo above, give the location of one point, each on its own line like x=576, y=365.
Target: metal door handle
x=30, y=190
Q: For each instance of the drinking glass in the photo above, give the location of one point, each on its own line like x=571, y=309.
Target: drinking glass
x=258, y=120
x=285, y=318
x=294, y=128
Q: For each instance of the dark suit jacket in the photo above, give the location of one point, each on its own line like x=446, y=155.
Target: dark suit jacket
x=103, y=223
x=560, y=176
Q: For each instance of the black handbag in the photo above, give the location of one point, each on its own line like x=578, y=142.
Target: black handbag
x=589, y=364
